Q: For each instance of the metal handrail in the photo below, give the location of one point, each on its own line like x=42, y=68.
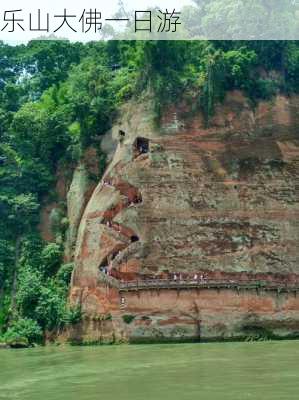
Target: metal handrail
x=146, y=284
x=165, y=283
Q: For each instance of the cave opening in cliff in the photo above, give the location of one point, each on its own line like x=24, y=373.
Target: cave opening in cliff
x=142, y=145
x=137, y=199
x=134, y=238
x=121, y=135
x=103, y=267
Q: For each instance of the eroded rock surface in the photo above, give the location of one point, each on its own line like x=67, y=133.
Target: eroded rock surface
x=187, y=201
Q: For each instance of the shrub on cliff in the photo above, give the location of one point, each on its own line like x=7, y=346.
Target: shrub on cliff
x=65, y=273
x=72, y=315
x=128, y=318
x=29, y=291
x=22, y=331
x=51, y=258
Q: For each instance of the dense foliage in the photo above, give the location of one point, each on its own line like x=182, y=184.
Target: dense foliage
x=56, y=99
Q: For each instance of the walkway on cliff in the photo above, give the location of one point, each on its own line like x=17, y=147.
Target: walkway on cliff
x=153, y=284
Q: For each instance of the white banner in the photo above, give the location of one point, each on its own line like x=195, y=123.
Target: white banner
x=21, y=21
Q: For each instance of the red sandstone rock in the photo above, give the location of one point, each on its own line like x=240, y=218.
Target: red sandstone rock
x=221, y=201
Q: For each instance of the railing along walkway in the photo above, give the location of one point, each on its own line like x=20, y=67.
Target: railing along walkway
x=149, y=284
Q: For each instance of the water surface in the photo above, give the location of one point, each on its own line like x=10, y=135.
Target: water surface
x=222, y=371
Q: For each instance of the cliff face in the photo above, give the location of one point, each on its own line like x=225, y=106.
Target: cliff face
x=187, y=203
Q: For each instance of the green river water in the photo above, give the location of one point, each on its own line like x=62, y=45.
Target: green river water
x=208, y=371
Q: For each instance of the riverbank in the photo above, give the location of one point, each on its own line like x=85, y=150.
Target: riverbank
x=153, y=341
